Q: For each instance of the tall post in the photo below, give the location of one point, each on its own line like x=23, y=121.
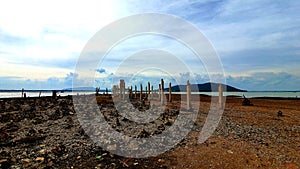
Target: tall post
x=22, y=92
x=141, y=93
x=148, y=92
x=130, y=94
x=122, y=88
x=152, y=91
x=159, y=91
x=188, y=95
x=162, y=98
x=135, y=91
x=220, y=96
x=170, y=92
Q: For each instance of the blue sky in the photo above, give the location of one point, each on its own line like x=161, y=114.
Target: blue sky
x=258, y=42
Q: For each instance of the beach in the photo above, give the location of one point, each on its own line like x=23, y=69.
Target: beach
x=46, y=132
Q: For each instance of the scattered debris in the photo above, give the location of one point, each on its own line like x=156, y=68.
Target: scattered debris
x=279, y=113
x=246, y=102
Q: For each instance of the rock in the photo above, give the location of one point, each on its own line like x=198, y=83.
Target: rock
x=112, y=147
x=279, y=113
x=230, y=151
x=26, y=160
x=40, y=159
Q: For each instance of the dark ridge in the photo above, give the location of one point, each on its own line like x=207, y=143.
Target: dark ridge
x=206, y=87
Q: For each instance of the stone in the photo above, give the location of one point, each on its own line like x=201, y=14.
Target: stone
x=41, y=159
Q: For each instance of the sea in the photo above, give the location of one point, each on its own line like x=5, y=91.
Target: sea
x=249, y=94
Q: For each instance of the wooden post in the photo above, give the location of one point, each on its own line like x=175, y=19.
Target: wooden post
x=122, y=88
x=130, y=90
x=152, y=91
x=148, y=90
x=22, y=92
x=170, y=92
x=220, y=96
x=135, y=91
x=162, y=98
x=141, y=93
x=188, y=95
x=159, y=91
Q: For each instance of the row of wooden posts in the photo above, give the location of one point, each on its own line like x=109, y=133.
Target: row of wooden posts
x=121, y=90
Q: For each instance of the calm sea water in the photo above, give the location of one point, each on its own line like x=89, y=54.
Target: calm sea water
x=13, y=94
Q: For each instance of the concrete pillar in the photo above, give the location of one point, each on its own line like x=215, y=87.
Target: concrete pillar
x=141, y=93
x=162, y=97
x=220, y=96
x=188, y=95
x=170, y=92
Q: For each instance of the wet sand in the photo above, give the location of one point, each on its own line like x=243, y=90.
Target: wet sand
x=45, y=132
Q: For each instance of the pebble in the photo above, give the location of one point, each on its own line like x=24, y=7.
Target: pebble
x=41, y=159
x=26, y=160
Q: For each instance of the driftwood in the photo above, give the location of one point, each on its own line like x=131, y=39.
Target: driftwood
x=246, y=102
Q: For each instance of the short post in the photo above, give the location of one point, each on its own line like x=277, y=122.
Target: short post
x=135, y=91
x=162, y=98
x=220, y=96
x=54, y=94
x=188, y=95
x=141, y=93
x=170, y=92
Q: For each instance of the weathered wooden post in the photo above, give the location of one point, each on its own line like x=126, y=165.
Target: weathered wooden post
x=130, y=92
x=159, y=91
x=152, y=94
x=220, y=96
x=148, y=92
x=162, y=98
x=170, y=92
x=141, y=93
x=54, y=94
x=122, y=88
x=188, y=95
x=22, y=92
x=135, y=91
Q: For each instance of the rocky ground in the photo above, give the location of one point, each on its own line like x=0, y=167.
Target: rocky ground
x=46, y=133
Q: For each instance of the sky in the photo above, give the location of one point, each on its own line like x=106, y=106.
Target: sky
x=258, y=43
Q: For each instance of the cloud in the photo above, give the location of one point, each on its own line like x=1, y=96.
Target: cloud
x=266, y=81
x=251, y=37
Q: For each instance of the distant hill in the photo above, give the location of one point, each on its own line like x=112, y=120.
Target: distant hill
x=206, y=87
